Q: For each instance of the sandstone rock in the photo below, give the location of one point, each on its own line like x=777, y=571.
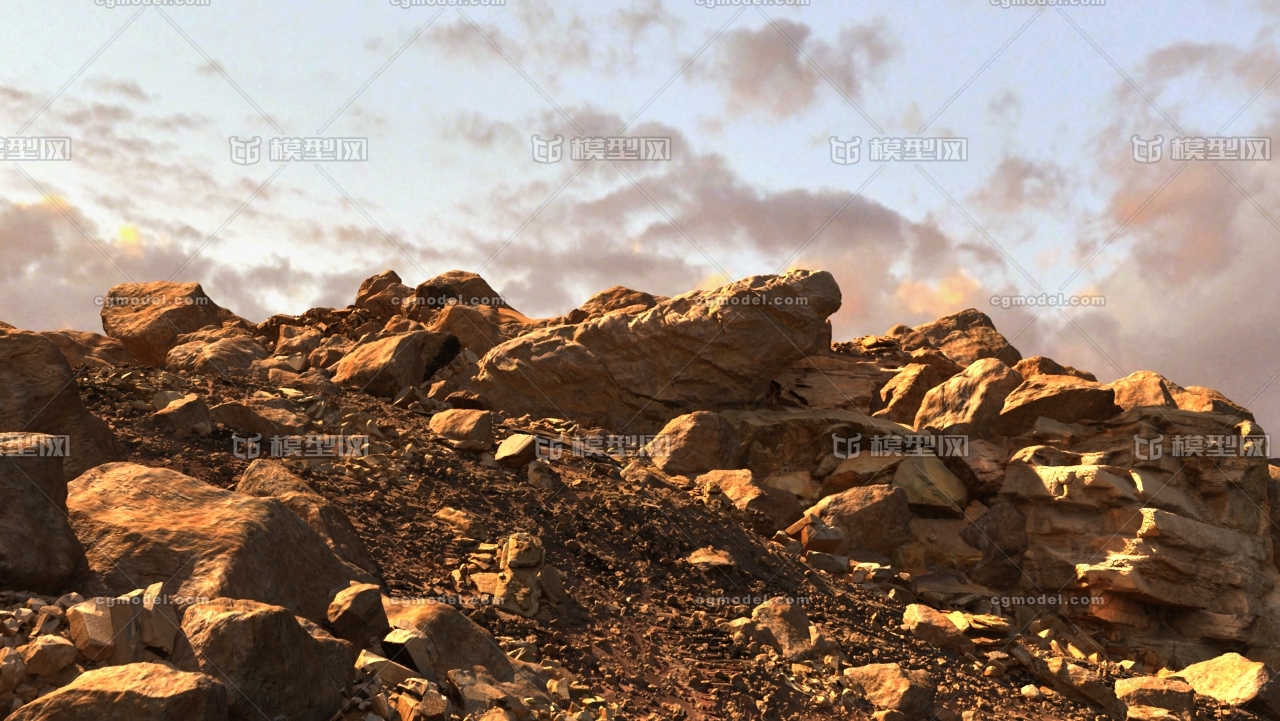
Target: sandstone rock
x=1167, y=694
x=694, y=444
x=814, y=535
x=969, y=401
x=981, y=469
x=472, y=329
x=298, y=339
x=384, y=366
x=410, y=648
x=860, y=470
x=1144, y=389
x=1042, y=366
x=831, y=382
x=902, y=395
x=829, y=562
x=136, y=692
x=269, y=663
x=158, y=622
x=384, y=295
x=770, y=442
x=516, y=450
x=783, y=625
x=933, y=627
x=148, y=317
x=965, y=337
x=614, y=300
x=458, y=287
x=769, y=509
x=109, y=629
x=873, y=518
x=463, y=425
x=930, y=487
x=1001, y=535
x=356, y=615
x=47, y=655
x=268, y=417
x=464, y=523
x=218, y=356
x=709, y=559
x=79, y=348
x=12, y=670
x=637, y=372
x=330, y=351
x=186, y=416
x=38, y=550
x=888, y=687
x=1234, y=680
x=39, y=394
x=937, y=543
x=266, y=478
x=143, y=525
x=388, y=671
x=1076, y=680
x=1206, y=400
x=798, y=483
x=1062, y=398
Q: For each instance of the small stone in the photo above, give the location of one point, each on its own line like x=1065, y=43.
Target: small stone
x=47, y=655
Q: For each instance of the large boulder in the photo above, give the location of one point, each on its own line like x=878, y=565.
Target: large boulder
x=964, y=337
x=384, y=295
x=903, y=394
x=141, y=525
x=268, y=417
x=889, y=687
x=782, y=624
x=266, y=478
x=1042, y=366
x=472, y=329
x=694, y=444
x=39, y=394
x=1063, y=398
x=218, y=356
x=80, y=347
x=768, y=509
x=272, y=667
x=931, y=488
x=38, y=551
x=148, y=317
x=1001, y=535
x=133, y=692
x=704, y=350
x=968, y=401
x=1234, y=680
x=1150, y=389
x=771, y=442
x=872, y=518
x=385, y=366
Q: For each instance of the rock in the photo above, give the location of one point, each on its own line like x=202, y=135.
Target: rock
x=384, y=366
x=1168, y=694
x=935, y=628
x=422, y=701
x=384, y=296
x=47, y=655
x=828, y=562
x=472, y=329
x=458, y=287
x=1001, y=535
x=110, y=629
x=709, y=558
x=38, y=550
x=356, y=615
x=12, y=669
x=464, y=523
x=218, y=356
x=771, y=442
x=964, y=337
x=39, y=394
x=1042, y=366
x=136, y=692
x=1076, y=680
x=969, y=401
x=902, y=395
x=617, y=299
x=1206, y=400
x=516, y=450
x=814, y=535
x=981, y=469
x=148, y=317
x=860, y=470
x=410, y=648
x=693, y=444
x=873, y=518
x=636, y=373
x=267, y=478
x=389, y=672
x=158, y=621
x=783, y=625
x=1144, y=389
x=143, y=525
x=269, y=663
x=798, y=483
x=1062, y=398
x=298, y=339
x=268, y=417
x=186, y=416
x=330, y=351
x=888, y=687
x=79, y=348
x=769, y=509
x=930, y=487
x=463, y=425
x=830, y=382
x=1234, y=680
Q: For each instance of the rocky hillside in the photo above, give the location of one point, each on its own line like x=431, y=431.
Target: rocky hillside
x=429, y=506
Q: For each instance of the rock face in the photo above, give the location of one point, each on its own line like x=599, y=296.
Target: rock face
x=270, y=665
x=384, y=295
x=472, y=329
x=79, y=348
x=148, y=317
x=1063, y=398
x=385, y=366
x=872, y=518
x=266, y=478
x=135, y=692
x=1042, y=366
x=694, y=444
x=1001, y=535
x=39, y=394
x=145, y=525
x=38, y=551
x=968, y=402
x=1150, y=389
x=637, y=372
x=903, y=395
x=965, y=337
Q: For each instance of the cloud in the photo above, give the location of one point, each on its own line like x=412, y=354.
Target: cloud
x=1019, y=184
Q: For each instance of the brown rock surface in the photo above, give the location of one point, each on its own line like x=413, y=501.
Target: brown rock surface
x=964, y=337
x=694, y=444
x=135, y=692
x=968, y=402
x=385, y=366
x=873, y=518
x=38, y=550
x=148, y=317
x=79, y=347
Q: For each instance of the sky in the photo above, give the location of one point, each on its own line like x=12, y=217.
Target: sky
x=1049, y=194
